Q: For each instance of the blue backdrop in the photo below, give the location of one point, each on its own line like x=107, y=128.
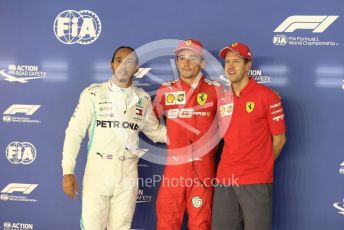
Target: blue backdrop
x=50, y=51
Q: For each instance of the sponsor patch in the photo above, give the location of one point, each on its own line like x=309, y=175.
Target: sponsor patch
x=226, y=110
x=202, y=98
x=249, y=106
x=175, y=98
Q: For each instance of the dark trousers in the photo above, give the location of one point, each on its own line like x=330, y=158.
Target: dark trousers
x=247, y=207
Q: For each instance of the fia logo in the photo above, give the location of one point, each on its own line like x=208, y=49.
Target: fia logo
x=82, y=27
x=21, y=153
x=280, y=40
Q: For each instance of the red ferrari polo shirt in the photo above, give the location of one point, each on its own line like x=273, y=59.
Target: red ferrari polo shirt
x=248, y=155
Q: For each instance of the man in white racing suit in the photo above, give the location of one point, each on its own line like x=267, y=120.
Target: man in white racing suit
x=113, y=112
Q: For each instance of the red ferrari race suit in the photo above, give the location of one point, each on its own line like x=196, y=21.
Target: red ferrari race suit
x=192, y=125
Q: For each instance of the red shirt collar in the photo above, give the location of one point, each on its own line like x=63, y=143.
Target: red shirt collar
x=186, y=86
x=251, y=83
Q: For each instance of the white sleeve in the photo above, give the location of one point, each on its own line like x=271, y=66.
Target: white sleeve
x=76, y=131
x=152, y=128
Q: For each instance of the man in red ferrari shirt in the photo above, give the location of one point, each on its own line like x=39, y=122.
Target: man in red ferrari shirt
x=252, y=142
x=190, y=106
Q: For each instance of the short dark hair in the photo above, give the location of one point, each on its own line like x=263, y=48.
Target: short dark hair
x=125, y=47
x=246, y=60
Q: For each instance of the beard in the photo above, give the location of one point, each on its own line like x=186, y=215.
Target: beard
x=233, y=78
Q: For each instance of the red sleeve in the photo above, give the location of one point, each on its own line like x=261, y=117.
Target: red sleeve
x=224, y=111
x=275, y=114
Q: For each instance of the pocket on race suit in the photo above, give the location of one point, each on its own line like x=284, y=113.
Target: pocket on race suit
x=130, y=171
x=130, y=155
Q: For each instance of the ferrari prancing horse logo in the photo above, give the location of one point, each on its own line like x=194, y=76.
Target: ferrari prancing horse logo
x=202, y=98
x=249, y=106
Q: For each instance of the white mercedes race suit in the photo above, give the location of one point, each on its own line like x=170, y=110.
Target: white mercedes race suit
x=113, y=117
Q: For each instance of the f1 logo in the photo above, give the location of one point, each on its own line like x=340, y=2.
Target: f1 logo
x=317, y=23
x=26, y=109
x=141, y=72
x=18, y=187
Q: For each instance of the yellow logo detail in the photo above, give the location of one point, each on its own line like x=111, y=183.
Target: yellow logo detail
x=249, y=106
x=222, y=111
x=170, y=98
x=188, y=42
x=202, y=98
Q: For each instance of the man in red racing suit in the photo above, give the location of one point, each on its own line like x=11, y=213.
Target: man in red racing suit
x=189, y=104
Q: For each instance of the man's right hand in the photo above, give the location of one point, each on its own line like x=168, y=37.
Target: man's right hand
x=70, y=185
